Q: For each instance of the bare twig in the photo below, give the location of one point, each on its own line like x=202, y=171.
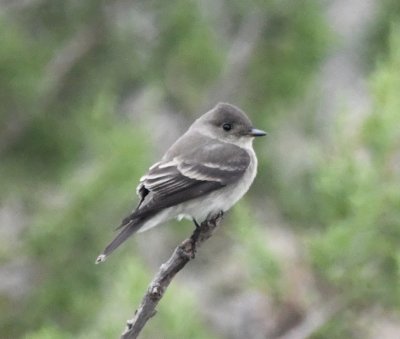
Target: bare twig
x=181, y=256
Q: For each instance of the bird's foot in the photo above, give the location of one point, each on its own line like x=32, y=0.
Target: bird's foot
x=196, y=223
x=203, y=227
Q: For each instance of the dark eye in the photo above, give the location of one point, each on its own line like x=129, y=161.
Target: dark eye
x=227, y=127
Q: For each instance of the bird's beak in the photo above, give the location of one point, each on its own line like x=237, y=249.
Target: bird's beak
x=254, y=132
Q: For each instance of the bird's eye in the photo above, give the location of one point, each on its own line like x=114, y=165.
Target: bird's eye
x=227, y=127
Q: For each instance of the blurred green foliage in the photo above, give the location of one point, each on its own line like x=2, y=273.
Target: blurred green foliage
x=262, y=265
x=71, y=156
x=357, y=184
x=377, y=44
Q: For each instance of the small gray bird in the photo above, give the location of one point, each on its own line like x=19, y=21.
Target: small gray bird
x=207, y=170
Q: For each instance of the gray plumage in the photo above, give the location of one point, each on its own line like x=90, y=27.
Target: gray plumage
x=208, y=169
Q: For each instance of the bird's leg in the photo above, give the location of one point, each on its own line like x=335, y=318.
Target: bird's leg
x=196, y=223
x=194, y=237
x=211, y=220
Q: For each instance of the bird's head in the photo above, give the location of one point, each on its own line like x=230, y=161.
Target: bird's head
x=227, y=123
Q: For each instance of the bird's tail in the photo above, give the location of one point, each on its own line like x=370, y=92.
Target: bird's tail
x=128, y=227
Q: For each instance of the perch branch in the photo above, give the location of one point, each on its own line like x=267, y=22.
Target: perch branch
x=180, y=257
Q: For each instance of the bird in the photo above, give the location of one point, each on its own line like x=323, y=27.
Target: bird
x=206, y=171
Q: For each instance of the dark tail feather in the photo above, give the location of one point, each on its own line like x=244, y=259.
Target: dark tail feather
x=128, y=229
x=125, y=221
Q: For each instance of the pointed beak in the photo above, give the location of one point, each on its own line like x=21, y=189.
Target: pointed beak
x=254, y=132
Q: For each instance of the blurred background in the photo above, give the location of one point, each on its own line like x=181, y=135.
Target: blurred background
x=93, y=92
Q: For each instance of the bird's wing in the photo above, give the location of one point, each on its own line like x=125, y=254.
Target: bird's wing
x=182, y=178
